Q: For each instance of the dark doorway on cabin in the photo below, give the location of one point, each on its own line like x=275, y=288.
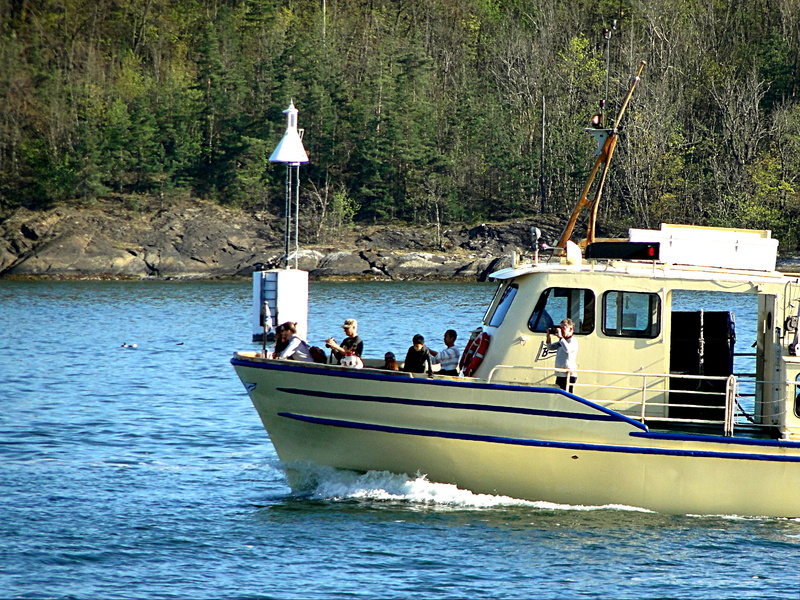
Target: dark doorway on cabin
x=702, y=343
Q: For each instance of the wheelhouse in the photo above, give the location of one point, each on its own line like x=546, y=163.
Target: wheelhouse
x=678, y=346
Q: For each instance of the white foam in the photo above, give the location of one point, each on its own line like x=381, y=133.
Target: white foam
x=732, y=517
x=385, y=486
x=335, y=484
x=587, y=507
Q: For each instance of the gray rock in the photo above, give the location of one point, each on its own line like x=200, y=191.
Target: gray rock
x=81, y=254
x=197, y=239
x=789, y=264
x=341, y=264
x=392, y=238
x=424, y=265
x=309, y=260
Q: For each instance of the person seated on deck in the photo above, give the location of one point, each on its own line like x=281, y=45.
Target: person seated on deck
x=389, y=362
x=350, y=358
x=280, y=343
x=418, y=358
x=351, y=331
x=448, y=358
x=566, y=355
x=289, y=345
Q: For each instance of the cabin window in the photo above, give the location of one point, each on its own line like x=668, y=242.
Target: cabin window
x=556, y=304
x=631, y=314
x=503, y=305
x=498, y=290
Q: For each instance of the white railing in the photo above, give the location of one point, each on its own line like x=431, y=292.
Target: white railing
x=647, y=395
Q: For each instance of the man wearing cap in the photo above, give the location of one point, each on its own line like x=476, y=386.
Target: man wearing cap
x=351, y=331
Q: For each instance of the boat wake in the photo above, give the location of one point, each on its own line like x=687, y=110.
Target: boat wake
x=385, y=486
x=326, y=483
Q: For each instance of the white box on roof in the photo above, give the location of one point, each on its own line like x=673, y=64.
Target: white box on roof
x=744, y=249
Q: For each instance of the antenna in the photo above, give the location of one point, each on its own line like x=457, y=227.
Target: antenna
x=607, y=36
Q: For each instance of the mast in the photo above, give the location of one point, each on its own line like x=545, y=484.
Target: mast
x=542, y=194
x=607, y=142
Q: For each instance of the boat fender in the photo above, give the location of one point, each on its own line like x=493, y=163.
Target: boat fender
x=478, y=347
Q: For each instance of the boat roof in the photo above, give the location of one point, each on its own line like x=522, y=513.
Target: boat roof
x=651, y=270
x=672, y=252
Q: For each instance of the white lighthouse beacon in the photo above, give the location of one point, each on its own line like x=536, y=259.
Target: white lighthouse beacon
x=291, y=152
x=290, y=149
x=281, y=295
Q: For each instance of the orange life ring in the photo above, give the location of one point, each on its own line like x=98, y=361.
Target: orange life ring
x=469, y=351
x=478, y=349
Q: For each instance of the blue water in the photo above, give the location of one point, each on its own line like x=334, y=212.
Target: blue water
x=145, y=473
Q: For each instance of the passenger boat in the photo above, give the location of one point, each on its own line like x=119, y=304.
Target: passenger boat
x=662, y=415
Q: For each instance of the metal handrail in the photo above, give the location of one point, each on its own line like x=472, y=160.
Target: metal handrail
x=597, y=371
x=729, y=409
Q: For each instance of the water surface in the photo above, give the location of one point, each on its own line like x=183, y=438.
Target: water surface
x=144, y=472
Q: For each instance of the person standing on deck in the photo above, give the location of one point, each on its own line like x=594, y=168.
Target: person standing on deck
x=566, y=354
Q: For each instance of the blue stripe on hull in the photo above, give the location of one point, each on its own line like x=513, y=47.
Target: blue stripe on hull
x=453, y=405
x=538, y=443
x=368, y=375
x=742, y=441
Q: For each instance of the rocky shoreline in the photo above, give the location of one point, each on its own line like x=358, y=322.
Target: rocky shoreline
x=201, y=240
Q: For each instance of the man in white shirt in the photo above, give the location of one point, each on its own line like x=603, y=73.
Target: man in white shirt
x=448, y=357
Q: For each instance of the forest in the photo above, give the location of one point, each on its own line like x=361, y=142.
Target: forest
x=413, y=111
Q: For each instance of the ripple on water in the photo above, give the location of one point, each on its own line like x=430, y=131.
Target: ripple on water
x=145, y=472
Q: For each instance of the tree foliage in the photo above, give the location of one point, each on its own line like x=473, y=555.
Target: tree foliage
x=423, y=111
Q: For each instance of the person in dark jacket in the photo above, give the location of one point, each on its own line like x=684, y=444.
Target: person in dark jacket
x=418, y=357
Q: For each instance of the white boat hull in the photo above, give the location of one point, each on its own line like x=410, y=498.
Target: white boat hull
x=533, y=443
